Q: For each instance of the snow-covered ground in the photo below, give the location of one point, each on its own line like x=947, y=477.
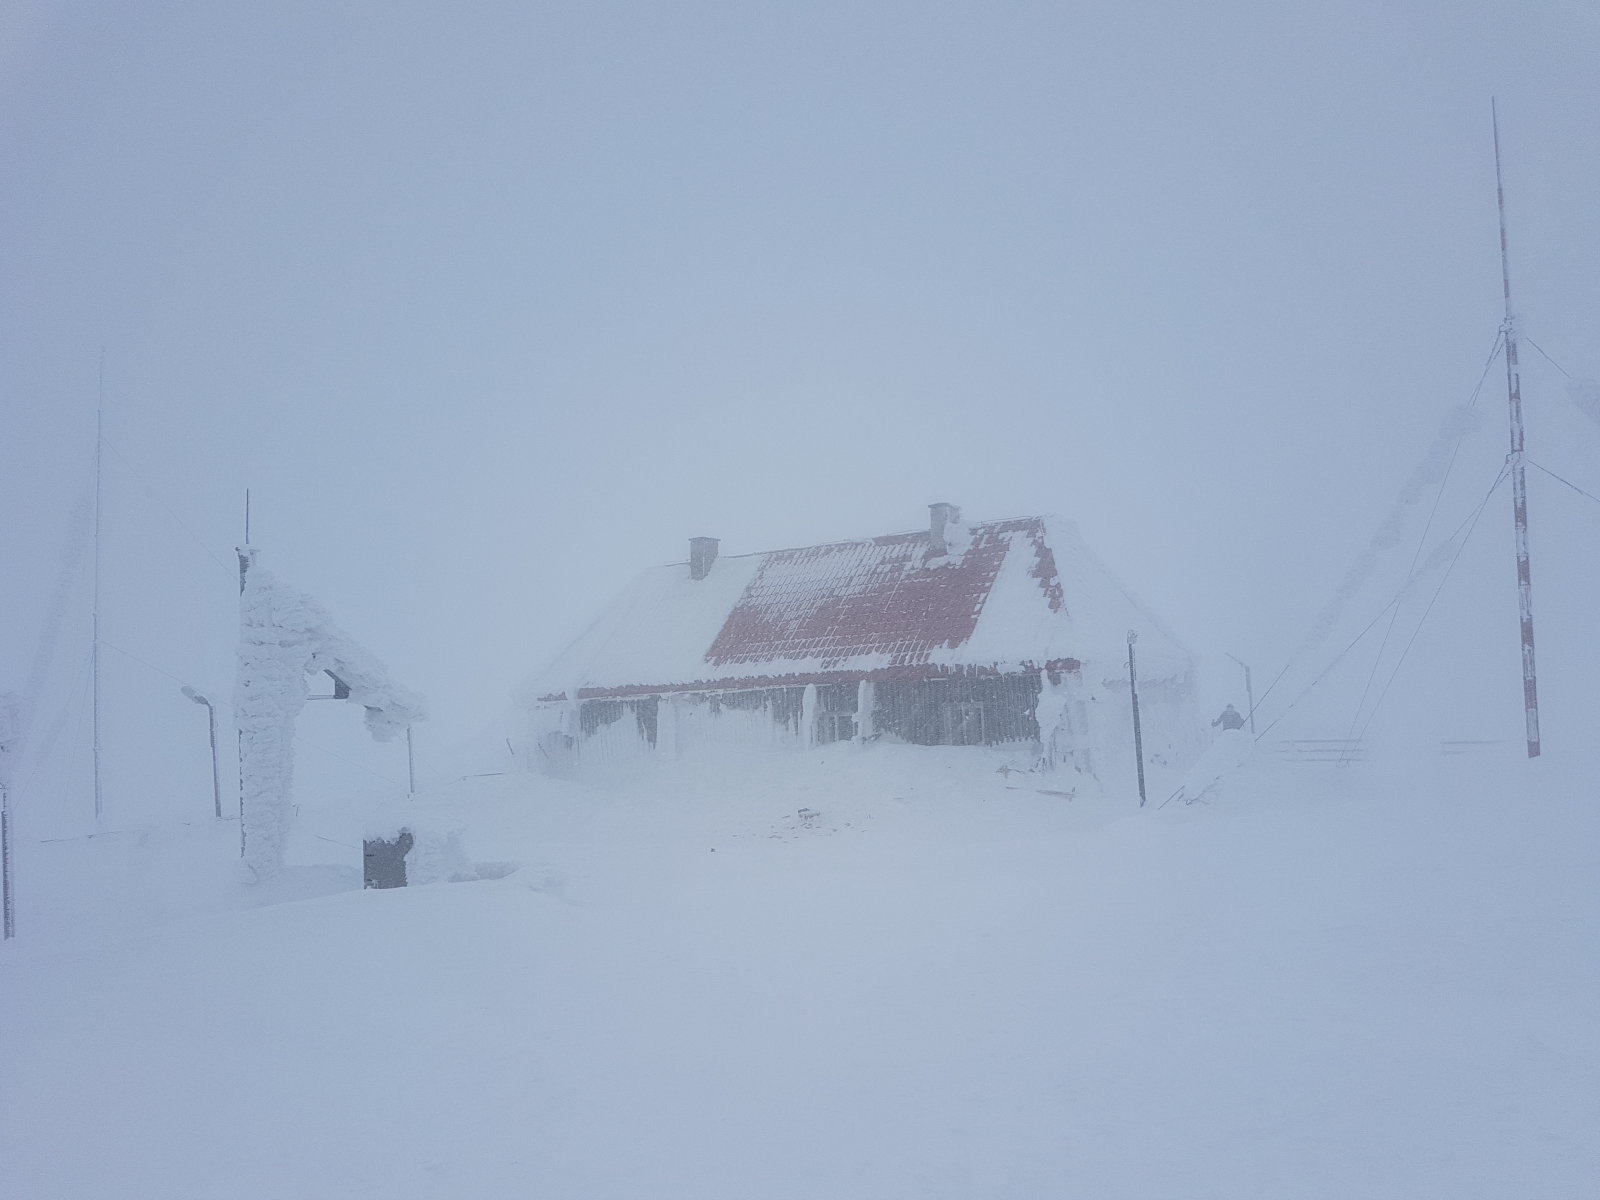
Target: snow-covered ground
x=1372, y=981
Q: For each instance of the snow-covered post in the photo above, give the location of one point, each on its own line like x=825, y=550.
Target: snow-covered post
x=808, y=716
x=667, y=725
x=8, y=903
x=10, y=734
x=1050, y=715
x=864, y=703
x=285, y=636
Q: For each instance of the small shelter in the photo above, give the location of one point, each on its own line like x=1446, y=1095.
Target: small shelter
x=1000, y=633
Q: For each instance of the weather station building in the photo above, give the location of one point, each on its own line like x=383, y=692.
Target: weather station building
x=1002, y=634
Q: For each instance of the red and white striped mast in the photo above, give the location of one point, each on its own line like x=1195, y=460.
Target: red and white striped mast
x=1519, y=479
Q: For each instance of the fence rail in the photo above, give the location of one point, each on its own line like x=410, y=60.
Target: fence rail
x=1322, y=750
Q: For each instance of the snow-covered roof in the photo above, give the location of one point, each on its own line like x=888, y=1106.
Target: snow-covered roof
x=1020, y=593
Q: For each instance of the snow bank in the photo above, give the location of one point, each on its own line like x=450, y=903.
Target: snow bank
x=1374, y=981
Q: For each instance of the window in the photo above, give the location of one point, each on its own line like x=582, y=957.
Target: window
x=964, y=723
x=835, y=727
x=836, y=712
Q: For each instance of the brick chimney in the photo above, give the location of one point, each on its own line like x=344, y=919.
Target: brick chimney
x=940, y=517
x=702, y=553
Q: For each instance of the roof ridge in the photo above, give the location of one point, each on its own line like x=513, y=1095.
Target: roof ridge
x=878, y=537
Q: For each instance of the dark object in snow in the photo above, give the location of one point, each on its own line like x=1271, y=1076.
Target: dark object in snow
x=1229, y=718
x=384, y=861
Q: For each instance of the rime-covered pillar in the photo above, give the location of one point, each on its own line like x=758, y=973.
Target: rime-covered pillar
x=274, y=654
x=864, y=700
x=667, y=726
x=808, y=716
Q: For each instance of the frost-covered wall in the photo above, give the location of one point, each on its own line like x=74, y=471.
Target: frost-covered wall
x=1056, y=716
x=284, y=638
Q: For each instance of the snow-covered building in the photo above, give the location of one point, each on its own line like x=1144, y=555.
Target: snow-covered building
x=1003, y=632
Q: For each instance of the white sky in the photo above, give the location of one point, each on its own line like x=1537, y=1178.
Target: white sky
x=492, y=305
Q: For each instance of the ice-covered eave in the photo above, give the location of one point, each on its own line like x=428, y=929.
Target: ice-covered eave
x=803, y=674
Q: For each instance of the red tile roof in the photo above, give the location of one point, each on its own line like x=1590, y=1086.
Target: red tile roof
x=888, y=596
x=880, y=608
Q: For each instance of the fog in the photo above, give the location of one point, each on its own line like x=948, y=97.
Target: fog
x=491, y=307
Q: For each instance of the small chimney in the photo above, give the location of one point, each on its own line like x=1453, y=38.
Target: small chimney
x=702, y=553
x=940, y=517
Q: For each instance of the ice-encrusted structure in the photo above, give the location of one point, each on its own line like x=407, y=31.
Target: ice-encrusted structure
x=285, y=637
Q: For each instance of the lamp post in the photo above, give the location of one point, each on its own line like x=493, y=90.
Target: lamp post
x=1249, y=692
x=216, y=769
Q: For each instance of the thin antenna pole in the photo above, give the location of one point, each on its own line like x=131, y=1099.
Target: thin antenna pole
x=94, y=649
x=1133, y=692
x=1519, y=479
x=8, y=902
x=246, y=554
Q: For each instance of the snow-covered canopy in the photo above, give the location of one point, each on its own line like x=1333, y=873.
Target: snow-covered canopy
x=285, y=638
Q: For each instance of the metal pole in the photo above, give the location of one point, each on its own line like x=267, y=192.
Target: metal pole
x=8, y=902
x=411, y=765
x=94, y=618
x=1519, y=479
x=1249, y=693
x=247, y=557
x=216, y=767
x=10, y=743
x=1138, y=737
x=211, y=728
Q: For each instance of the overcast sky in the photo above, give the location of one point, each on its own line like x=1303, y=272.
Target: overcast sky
x=492, y=305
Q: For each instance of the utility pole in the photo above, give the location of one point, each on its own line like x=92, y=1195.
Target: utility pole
x=1138, y=736
x=1519, y=479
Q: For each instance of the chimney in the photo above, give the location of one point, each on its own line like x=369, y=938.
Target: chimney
x=940, y=516
x=702, y=553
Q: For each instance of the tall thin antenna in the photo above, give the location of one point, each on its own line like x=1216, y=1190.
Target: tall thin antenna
x=246, y=554
x=1519, y=479
x=94, y=649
